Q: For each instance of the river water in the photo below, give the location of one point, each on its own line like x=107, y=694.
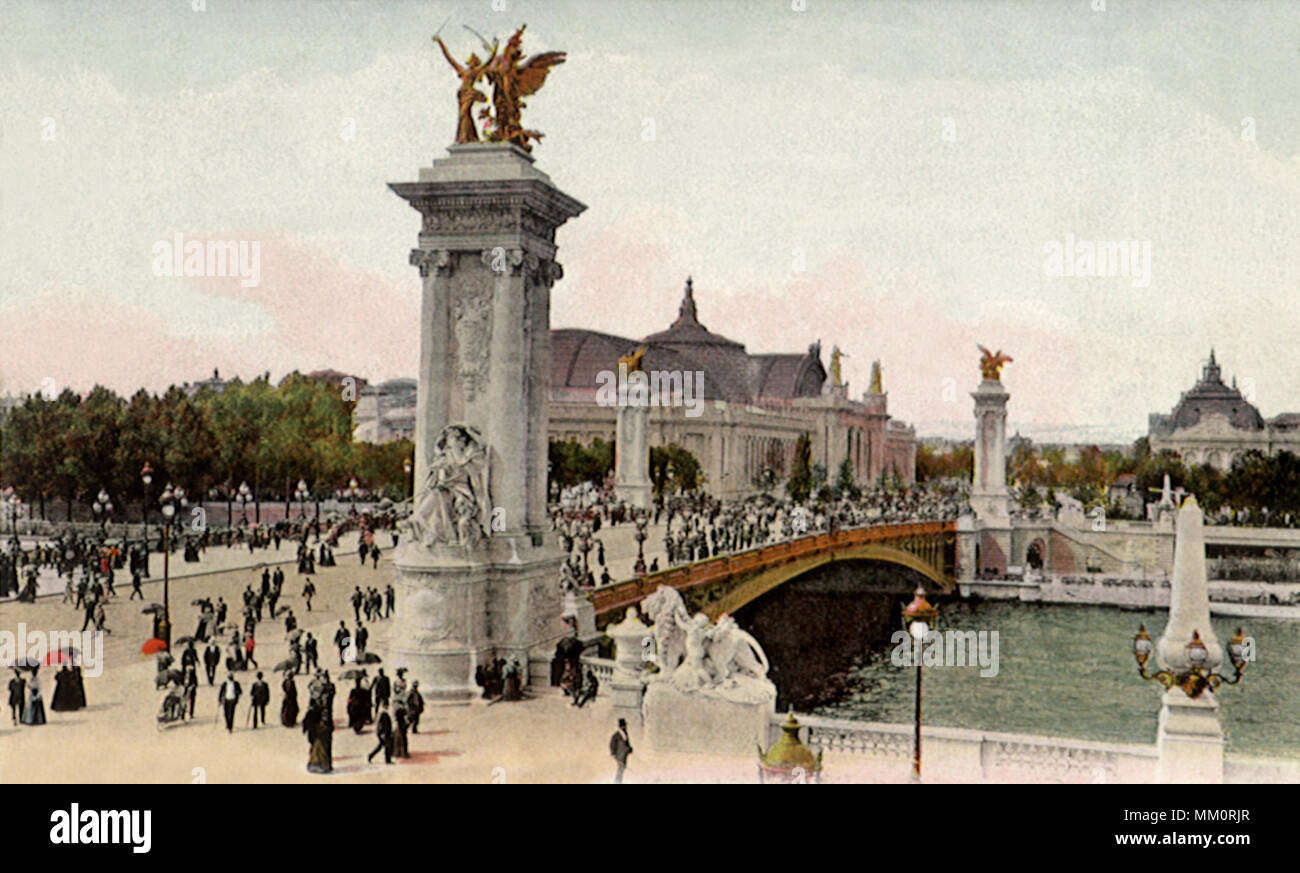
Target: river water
x=1068, y=671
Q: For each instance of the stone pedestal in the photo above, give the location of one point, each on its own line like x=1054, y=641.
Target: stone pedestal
x=486, y=257
x=632, y=457
x=989, y=497
x=631, y=641
x=1189, y=739
x=698, y=722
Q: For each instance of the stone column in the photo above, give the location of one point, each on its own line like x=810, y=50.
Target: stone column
x=486, y=256
x=632, y=456
x=989, y=496
x=1189, y=738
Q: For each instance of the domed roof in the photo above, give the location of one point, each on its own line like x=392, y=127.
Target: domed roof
x=730, y=373
x=1211, y=397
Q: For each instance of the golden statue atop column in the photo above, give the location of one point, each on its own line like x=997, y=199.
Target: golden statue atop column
x=511, y=78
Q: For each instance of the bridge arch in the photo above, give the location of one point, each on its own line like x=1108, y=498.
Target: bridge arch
x=768, y=580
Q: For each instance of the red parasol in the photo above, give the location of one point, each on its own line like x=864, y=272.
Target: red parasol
x=66, y=655
x=153, y=646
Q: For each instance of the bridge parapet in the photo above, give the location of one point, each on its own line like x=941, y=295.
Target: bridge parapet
x=933, y=540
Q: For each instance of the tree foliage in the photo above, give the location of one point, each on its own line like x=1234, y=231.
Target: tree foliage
x=208, y=443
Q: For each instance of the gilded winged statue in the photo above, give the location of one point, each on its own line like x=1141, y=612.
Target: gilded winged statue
x=511, y=82
x=468, y=94
x=991, y=364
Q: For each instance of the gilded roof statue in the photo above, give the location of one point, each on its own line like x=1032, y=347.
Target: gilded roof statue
x=511, y=78
x=632, y=360
x=991, y=364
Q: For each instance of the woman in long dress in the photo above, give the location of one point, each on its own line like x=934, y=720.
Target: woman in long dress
x=78, y=688
x=318, y=727
x=358, y=707
x=289, y=710
x=34, y=712
x=62, y=700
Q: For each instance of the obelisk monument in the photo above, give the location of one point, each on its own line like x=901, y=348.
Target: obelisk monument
x=478, y=567
x=1189, y=737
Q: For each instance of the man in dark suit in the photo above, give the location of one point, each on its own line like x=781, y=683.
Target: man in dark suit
x=189, y=657
x=228, y=694
x=415, y=705
x=383, y=689
x=620, y=747
x=211, y=660
x=17, y=695
x=384, y=732
x=311, y=656
x=259, y=695
x=341, y=640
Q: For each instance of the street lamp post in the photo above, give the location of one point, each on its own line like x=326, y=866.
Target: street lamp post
x=584, y=546
x=640, y=521
x=102, y=507
x=1195, y=679
x=352, y=492
x=301, y=494
x=245, y=494
x=14, y=506
x=169, y=500
x=146, y=476
x=918, y=617
x=407, y=467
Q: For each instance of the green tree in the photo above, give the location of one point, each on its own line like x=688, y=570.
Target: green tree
x=674, y=470
x=845, y=483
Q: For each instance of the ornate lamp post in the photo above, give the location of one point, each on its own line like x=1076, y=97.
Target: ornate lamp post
x=15, y=506
x=407, y=467
x=301, y=493
x=352, y=492
x=168, y=501
x=584, y=546
x=102, y=507
x=918, y=618
x=640, y=521
x=1195, y=679
x=244, y=494
x=146, y=476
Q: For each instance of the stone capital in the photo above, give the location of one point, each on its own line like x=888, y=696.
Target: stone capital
x=429, y=260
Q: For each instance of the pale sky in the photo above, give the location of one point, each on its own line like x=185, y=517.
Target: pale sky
x=913, y=158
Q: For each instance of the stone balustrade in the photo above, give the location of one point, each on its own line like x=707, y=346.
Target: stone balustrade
x=602, y=667
x=963, y=755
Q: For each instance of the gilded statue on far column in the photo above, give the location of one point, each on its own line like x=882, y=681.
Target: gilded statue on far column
x=991, y=364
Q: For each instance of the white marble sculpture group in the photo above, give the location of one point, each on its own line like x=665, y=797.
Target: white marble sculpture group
x=453, y=505
x=714, y=660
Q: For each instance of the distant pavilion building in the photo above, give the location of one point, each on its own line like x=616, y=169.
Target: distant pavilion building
x=386, y=411
x=1215, y=424
x=755, y=406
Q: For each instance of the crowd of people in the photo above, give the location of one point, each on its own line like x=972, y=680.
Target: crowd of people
x=698, y=526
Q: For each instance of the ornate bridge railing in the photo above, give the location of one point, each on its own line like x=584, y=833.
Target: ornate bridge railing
x=932, y=544
x=969, y=755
